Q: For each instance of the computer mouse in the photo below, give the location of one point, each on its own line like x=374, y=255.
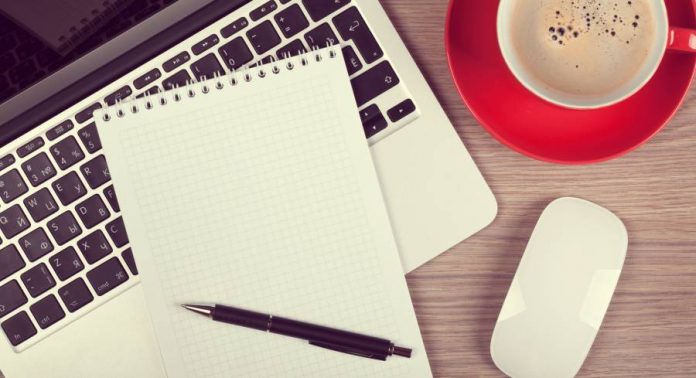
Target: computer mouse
x=561, y=291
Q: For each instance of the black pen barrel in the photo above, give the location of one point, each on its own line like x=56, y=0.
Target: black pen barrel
x=240, y=317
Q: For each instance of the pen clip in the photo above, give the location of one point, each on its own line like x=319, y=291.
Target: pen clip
x=348, y=350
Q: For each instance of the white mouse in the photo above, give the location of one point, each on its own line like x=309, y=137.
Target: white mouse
x=561, y=291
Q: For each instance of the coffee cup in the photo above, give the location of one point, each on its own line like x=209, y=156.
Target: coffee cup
x=586, y=54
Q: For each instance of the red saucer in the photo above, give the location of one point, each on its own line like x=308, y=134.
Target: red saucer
x=531, y=126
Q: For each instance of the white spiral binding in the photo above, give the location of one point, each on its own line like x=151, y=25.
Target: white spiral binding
x=233, y=79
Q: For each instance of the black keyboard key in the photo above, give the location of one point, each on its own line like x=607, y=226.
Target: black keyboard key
x=372, y=120
x=351, y=26
x=150, y=91
x=12, y=186
x=13, y=221
x=107, y=276
x=59, y=130
x=90, y=138
x=207, y=67
x=120, y=94
x=205, y=44
x=94, y=247
x=148, y=78
x=75, y=295
x=40, y=204
x=38, y=169
x=263, y=10
x=30, y=147
x=110, y=195
x=67, y=152
x=321, y=36
x=319, y=9
x=352, y=61
x=291, y=20
x=11, y=297
x=235, y=53
x=234, y=27
x=69, y=188
x=92, y=211
x=130, y=261
x=401, y=110
x=6, y=161
x=291, y=49
x=179, y=79
x=96, y=172
x=37, y=280
x=35, y=244
x=263, y=37
x=19, y=328
x=64, y=228
x=374, y=82
x=117, y=231
x=176, y=61
x=66, y=263
x=10, y=261
x=47, y=311
x=86, y=114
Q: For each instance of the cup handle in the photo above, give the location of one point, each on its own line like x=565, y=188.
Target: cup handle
x=681, y=39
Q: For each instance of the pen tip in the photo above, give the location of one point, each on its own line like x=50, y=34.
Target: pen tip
x=203, y=310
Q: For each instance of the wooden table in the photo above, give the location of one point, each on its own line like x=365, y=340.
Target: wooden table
x=650, y=328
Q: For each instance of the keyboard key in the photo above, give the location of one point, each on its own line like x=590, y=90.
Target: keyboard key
x=351, y=26
x=75, y=295
x=37, y=280
x=6, y=161
x=401, y=110
x=107, y=276
x=92, y=211
x=59, y=130
x=205, y=44
x=66, y=263
x=35, y=244
x=179, y=79
x=69, y=188
x=120, y=94
x=67, y=152
x=374, y=82
x=263, y=10
x=11, y=297
x=150, y=91
x=321, y=36
x=235, y=53
x=90, y=138
x=176, y=61
x=10, y=261
x=38, y=169
x=110, y=195
x=13, y=221
x=234, y=27
x=86, y=114
x=147, y=79
x=263, y=37
x=12, y=186
x=40, y=204
x=352, y=61
x=19, y=328
x=372, y=120
x=291, y=20
x=30, y=147
x=64, y=228
x=130, y=261
x=96, y=172
x=291, y=49
x=94, y=246
x=319, y=9
x=117, y=231
x=207, y=67
x=47, y=311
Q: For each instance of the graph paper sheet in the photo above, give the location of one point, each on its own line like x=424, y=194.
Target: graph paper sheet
x=261, y=196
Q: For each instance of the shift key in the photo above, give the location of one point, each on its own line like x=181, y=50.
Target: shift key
x=374, y=82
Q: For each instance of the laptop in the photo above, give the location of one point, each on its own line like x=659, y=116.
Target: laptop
x=70, y=300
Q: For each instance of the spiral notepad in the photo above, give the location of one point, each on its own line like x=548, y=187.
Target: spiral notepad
x=257, y=190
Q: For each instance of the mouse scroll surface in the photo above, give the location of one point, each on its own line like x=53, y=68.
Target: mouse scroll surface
x=561, y=291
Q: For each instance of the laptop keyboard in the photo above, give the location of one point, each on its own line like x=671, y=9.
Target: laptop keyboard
x=64, y=247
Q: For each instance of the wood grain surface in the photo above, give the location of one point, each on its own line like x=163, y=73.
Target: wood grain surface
x=650, y=328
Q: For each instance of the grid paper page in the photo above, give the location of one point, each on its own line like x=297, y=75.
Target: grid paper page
x=262, y=196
